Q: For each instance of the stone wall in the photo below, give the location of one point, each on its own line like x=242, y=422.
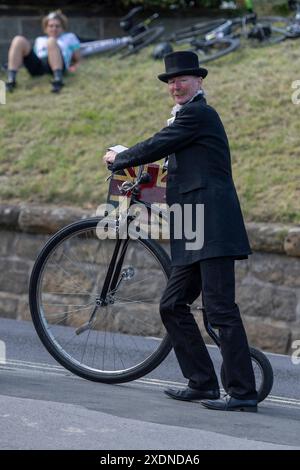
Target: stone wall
x=268, y=284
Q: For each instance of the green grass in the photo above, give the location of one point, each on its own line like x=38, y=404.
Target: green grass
x=51, y=146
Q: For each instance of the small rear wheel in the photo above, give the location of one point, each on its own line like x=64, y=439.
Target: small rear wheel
x=263, y=374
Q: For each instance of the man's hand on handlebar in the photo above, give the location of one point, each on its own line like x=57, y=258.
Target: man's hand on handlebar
x=109, y=157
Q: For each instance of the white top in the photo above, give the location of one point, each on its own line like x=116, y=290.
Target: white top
x=68, y=43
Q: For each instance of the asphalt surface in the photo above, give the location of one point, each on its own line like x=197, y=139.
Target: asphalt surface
x=43, y=406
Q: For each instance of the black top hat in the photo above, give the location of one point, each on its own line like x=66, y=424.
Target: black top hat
x=182, y=63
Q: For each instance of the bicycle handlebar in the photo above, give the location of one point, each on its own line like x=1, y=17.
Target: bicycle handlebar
x=142, y=178
x=132, y=13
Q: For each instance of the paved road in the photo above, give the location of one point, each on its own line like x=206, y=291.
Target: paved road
x=43, y=406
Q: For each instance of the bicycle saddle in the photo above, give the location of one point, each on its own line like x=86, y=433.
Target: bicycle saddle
x=126, y=21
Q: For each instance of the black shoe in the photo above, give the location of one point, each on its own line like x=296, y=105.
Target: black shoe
x=10, y=86
x=229, y=403
x=57, y=86
x=192, y=394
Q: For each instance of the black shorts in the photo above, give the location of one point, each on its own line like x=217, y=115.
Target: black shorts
x=37, y=66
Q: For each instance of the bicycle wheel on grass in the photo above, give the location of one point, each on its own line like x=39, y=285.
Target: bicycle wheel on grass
x=196, y=30
x=263, y=374
x=114, y=341
x=211, y=50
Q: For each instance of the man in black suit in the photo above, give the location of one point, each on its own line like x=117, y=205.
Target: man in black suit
x=199, y=173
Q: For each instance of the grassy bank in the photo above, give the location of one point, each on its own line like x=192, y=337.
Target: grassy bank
x=51, y=146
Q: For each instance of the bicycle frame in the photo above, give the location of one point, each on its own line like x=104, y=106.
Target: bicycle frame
x=104, y=45
x=293, y=28
x=112, y=277
x=225, y=29
x=113, y=273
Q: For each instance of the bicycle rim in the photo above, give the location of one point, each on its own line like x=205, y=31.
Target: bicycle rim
x=125, y=339
x=212, y=50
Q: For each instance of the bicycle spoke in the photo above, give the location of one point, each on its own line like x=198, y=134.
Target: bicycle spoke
x=71, y=293
x=68, y=305
x=69, y=276
x=74, y=310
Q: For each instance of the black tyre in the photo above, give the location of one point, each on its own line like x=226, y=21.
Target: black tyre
x=263, y=374
x=126, y=338
x=211, y=50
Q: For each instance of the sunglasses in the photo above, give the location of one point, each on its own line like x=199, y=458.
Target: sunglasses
x=52, y=16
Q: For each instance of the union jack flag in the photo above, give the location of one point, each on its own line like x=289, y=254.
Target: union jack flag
x=153, y=192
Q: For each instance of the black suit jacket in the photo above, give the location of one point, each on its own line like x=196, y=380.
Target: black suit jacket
x=199, y=172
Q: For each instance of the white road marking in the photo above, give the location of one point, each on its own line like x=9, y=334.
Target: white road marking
x=2, y=352
x=143, y=382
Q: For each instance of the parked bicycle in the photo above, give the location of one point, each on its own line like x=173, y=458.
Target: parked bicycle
x=217, y=38
x=293, y=27
x=95, y=300
x=139, y=35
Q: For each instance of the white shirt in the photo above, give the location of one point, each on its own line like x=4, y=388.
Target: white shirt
x=67, y=42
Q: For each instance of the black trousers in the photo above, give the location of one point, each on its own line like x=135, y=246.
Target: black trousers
x=215, y=277
x=37, y=66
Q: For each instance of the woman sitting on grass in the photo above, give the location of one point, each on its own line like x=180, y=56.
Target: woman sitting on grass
x=53, y=53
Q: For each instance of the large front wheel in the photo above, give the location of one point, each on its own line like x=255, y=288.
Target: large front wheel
x=116, y=339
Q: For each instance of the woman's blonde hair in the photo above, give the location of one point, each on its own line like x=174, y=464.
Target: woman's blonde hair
x=53, y=15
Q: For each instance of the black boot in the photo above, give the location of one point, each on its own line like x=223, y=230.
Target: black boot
x=56, y=86
x=10, y=86
x=57, y=83
x=11, y=80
